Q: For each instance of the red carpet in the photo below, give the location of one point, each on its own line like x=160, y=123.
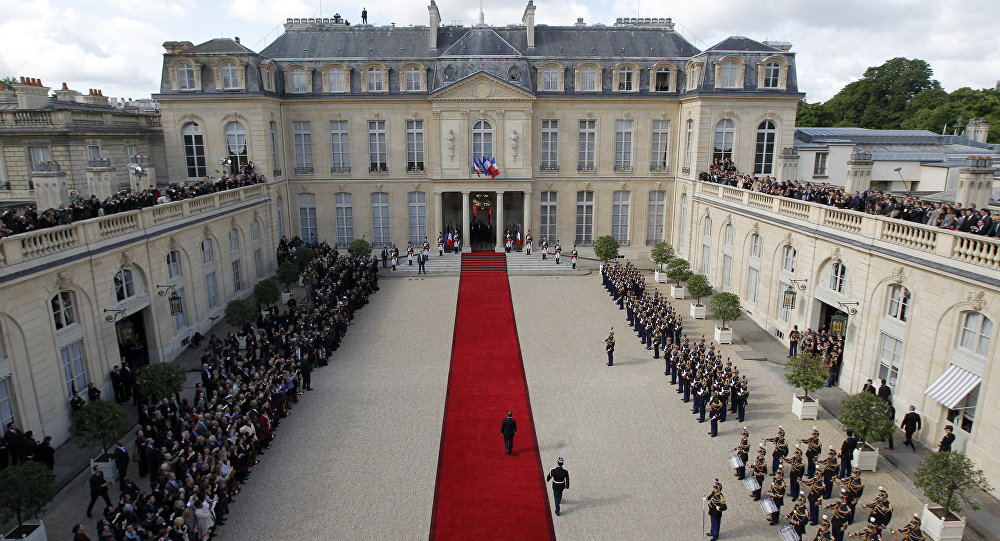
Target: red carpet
x=481, y=492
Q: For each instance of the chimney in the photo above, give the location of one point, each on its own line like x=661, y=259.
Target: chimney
x=65, y=94
x=435, y=16
x=176, y=46
x=978, y=129
x=579, y=22
x=975, y=181
x=31, y=94
x=528, y=20
x=779, y=45
x=95, y=97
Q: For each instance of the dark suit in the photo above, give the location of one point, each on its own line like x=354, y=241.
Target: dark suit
x=946, y=442
x=121, y=462
x=508, y=428
x=911, y=423
x=98, y=489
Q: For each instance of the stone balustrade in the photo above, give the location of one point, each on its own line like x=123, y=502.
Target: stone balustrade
x=46, y=119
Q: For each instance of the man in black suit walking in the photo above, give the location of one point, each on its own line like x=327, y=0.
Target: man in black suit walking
x=911, y=423
x=508, y=428
x=98, y=489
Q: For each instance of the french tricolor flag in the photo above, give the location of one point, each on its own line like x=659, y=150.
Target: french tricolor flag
x=518, y=237
x=491, y=167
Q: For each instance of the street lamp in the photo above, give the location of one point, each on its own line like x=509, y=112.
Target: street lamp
x=788, y=297
x=838, y=323
x=176, y=304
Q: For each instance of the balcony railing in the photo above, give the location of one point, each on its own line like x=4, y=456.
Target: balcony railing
x=32, y=118
x=621, y=168
x=340, y=169
x=549, y=168
x=99, y=162
x=46, y=166
x=304, y=170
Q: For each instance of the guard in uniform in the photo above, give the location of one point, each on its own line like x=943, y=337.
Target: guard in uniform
x=527, y=243
x=881, y=508
x=795, y=475
x=574, y=256
x=507, y=242
x=825, y=532
x=609, y=342
x=911, y=532
x=560, y=482
x=716, y=505
x=558, y=252
x=759, y=470
x=841, y=514
x=657, y=336
x=816, y=491
x=812, y=451
x=855, y=487
x=715, y=411
x=780, y=450
x=947, y=440
x=545, y=249
x=799, y=516
x=830, y=468
x=872, y=533
x=777, y=494
x=440, y=245
x=743, y=452
x=409, y=254
x=426, y=249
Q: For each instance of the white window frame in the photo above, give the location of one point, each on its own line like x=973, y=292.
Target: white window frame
x=584, y=217
x=819, y=164
x=890, y=358
x=194, y=150
x=374, y=79
x=656, y=216
x=682, y=242
x=620, y=208
x=417, y=213
x=211, y=293
x=335, y=80
x=302, y=141
x=838, y=277
x=237, y=276
x=706, y=245
x=976, y=333
x=763, y=162
x=206, y=251
x=623, y=145
x=344, y=211
x=550, y=78
x=415, y=146
x=753, y=281
x=273, y=130
x=308, y=231
x=655, y=83
x=898, y=306
x=549, y=141
x=548, y=214
x=173, y=265
x=729, y=74
x=659, y=153
x=340, y=149
x=587, y=148
x=725, y=140
x=482, y=139
x=380, y=219
x=297, y=78
x=378, y=161
x=74, y=364
x=185, y=76
x=230, y=75
x=689, y=144
x=772, y=74
x=126, y=289
x=626, y=79
x=236, y=138
x=180, y=321
x=8, y=406
x=64, y=310
x=588, y=79
x=411, y=76
x=964, y=414
x=789, y=256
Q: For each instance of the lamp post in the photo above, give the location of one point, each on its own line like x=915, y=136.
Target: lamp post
x=903, y=180
x=838, y=323
x=176, y=303
x=788, y=297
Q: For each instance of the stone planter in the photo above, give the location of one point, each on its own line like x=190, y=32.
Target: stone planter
x=285, y=295
x=940, y=525
x=659, y=277
x=698, y=311
x=865, y=458
x=805, y=407
x=107, y=463
x=677, y=292
x=29, y=531
x=723, y=336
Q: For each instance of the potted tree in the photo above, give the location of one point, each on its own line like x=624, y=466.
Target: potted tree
x=605, y=248
x=806, y=371
x=266, y=293
x=25, y=490
x=661, y=254
x=698, y=287
x=678, y=270
x=948, y=479
x=163, y=380
x=868, y=416
x=239, y=313
x=288, y=273
x=101, y=422
x=360, y=248
x=724, y=306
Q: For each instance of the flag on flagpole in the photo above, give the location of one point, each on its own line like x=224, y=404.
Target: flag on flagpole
x=448, y=240
x=491, y=167
x=518, y=237
x=478, y=164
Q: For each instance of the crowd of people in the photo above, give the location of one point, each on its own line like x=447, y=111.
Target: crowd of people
x=83, y=207
x=907, y=207
x=197, y=453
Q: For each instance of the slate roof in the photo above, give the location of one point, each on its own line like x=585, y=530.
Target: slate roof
x=219, y=46
x=742, y=44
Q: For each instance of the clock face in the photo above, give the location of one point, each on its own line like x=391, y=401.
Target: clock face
x=513, y=73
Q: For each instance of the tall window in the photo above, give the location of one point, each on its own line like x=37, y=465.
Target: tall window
x=656, y=216
x=340, y=153
x=194, y=151
x=753, y=277
x=547, y=217
x=64, y=309
x=307, y=217
x=756, y=246
x=838, y=277
x=976, y=332
x=377, y=160
x=124, y=285
x=335, y=79
x=173, y=265
x=179, y=320
x=588, y=141
x=206, y=251
x=964, y=414
x=299, y=80
x=584, y=218
x=210, y=292
x=230, y=75
x=185, y=76
x=412, y=78
x=682, y=242
x=788, y=259
x=753, y=273
x=588, y=79
x=273, y=132
x=626, y=77
x=237, y=276
x=234, y=242
x=6, y=402
x=236, y=145
x=619, y=215
x=40, y=155
x=482, y=140
x=706, y=246
x=688, y=144
x=258, y=255
x=302, y=140
x=374, y=76
x=819, y=166
x=899, y=303
x=725, y=131
x=730, y=74
x=418, y=216
x=279, y=208
x=763, y=162
x=94, y=152
x=784, y=314
x=771, y=72
x=415, y=145
x=662, y=80
x=658, y=157
x=891, y=353
x=380, y=218
x=729, y=237
x=550, y=78
x=550, y=145
x=74, y=367
x=345, y=218
x=623, y=145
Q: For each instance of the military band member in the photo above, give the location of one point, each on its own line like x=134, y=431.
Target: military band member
x=881, y=508
x=759, y=470
x=545, y=249
x=871, y=533
x=558, y=252
x=560, y=482
x=816, y=491
x=780, y=450
x=855, y=487
x=777, y=494
x=841, y=514
x=741, y=402
x=715, y=412
x=911, y=532
x=799, y=516
x=657, y=337
x=813, y=448
x=574, y=256
x=716, y=505
x=831, y=466
x=609, y=342
x=527, y=243
x=743, y=452
x=825, y=532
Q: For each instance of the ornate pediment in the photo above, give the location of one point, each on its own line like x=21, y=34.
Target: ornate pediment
x=481, y=87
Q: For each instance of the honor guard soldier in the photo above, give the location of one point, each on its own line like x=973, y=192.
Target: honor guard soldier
x=847, y=454
x=855, y=487
x=527, y=243
x=759, y=470
x=872, y=533
x=715, y=412
x=780, y=450
x=609, y=342
x=409, y=254
x=716, y=505
x=798, y=517
x=558, y=252
x=830, y=468
x=657, y=336
x=881, y=508
x=947, y=440
x=743, y=452
x=911, y=532
x=457, y=237
x=816, y=491
x=440, y=245
x=825, y=532
x=426, y=248
x=841, y=514
x=560, y=482
x=812, y=451
x=777, y=494
x=507, y=242
x=574, y=256
x=741, y=402
x=545, y=249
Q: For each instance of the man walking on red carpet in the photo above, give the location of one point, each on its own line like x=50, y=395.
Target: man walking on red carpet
x=560, y=482
x=508, y=428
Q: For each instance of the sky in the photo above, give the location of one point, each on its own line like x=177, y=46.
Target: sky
x=116, y=45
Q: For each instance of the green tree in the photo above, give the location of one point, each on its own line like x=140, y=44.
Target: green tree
x=101, y=422
x=162, y=380
x=679, y=270
x=25, y=490
x=725, y=306
x=303, y=257
x=266, y=292
x=868, y=416
x=7, y=83
x=360, y=248
x=699, y=287
x=239, y=312
x=606, y=247
x=661, y=254
x=288, y=273
x=806, y=371
x=949, y=479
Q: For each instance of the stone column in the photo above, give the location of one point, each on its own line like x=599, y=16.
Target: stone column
x=438, y=218
x=464, y=226
x=526, y=226
x=498, y=220
x=975, y=182
x=859, y=172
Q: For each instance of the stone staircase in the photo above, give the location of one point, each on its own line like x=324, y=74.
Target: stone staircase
x=520, y=263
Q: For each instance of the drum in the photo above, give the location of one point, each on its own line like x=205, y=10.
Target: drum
x=735, y=462
x=751, y=484
x=767, y=505
x=787, y=533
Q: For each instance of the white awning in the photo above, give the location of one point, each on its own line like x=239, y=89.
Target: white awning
x=953, y=386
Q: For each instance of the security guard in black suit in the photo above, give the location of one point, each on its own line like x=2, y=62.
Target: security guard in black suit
x=560, y=482
x=508, y=427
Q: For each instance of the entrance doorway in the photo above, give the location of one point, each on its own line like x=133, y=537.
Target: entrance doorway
x=826, y=313
x=482, y=229
x=131, y=333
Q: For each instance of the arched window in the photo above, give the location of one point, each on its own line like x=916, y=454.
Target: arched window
x=64, y=309
x=763, y=162
x=124, y=286
x=976, y=332
x=706, y=245
x=661, y=82
x=838, y=277
x=550, y=78
x=588, y=79
x=788, y=260
x=412, y=78
x=173, y=265
x=206, y=251
x=374, y=76
x=756, y=246
x=899, y=303
x=230, y=75
x=730, y=74
x=234, y=241
x=298, y=80
x=185, y=76
x=482, y=140
x=626, y=79
x=771, y=72
x=194, y=151
x=725, y=132
x=236, y=146
x=335, y=79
